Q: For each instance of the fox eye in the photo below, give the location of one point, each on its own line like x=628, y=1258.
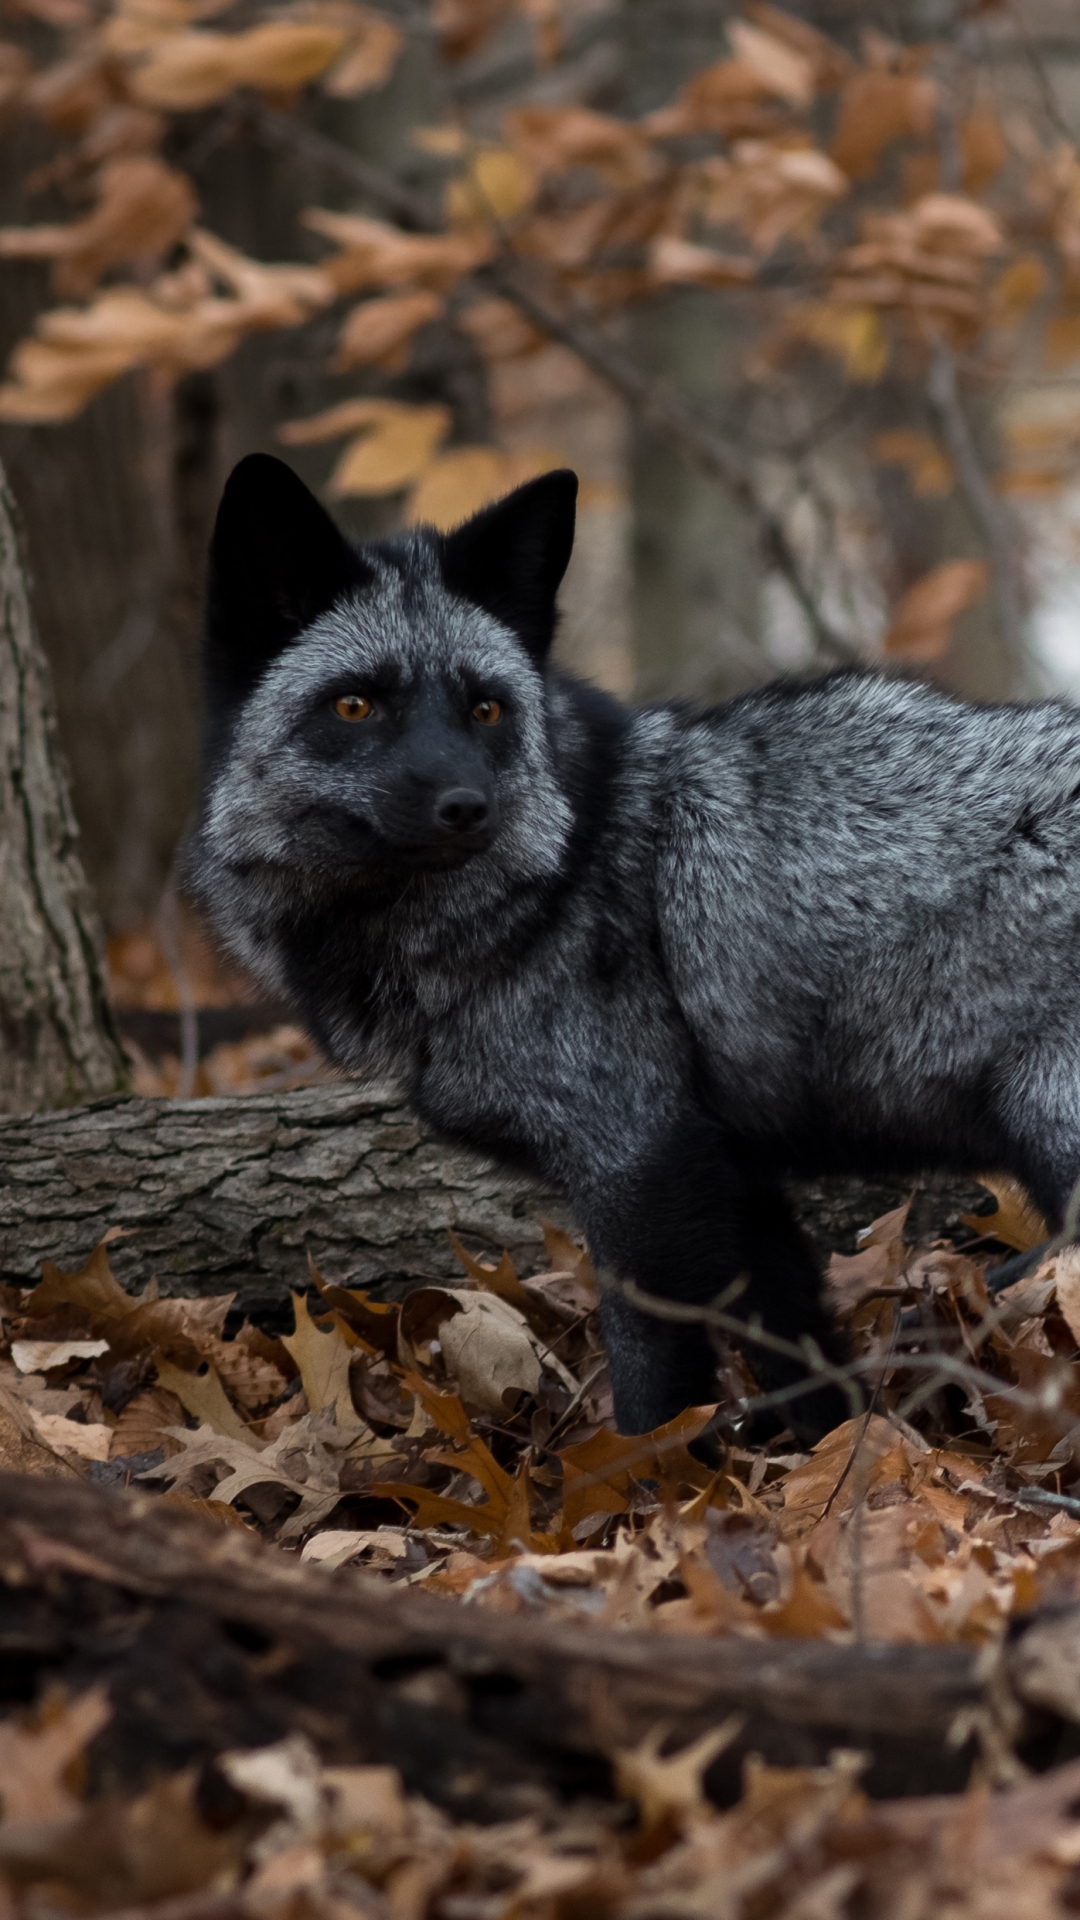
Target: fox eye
x=487, y=712
x=353, y=706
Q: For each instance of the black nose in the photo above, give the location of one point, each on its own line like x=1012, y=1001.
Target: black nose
x=461, y=810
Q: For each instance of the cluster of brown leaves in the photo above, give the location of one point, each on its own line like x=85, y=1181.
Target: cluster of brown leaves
x=787, y=148
x=462, y=1441
x=142, y=979
x=333, y=1842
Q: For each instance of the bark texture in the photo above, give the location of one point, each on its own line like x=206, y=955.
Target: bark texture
x=206, y=1640
x=57, y=1040
x=231, y=1194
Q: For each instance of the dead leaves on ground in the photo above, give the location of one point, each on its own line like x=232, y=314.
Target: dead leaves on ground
x=273, y=1830
x=464, y=1442
x=464, y=1439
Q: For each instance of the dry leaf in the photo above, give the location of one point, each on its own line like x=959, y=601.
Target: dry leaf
x=1015, y=1220
x=40, y=1356
x=928, y=467
x=34, y=1760
x=380, y=331
x=877, y=108
x=396, y=449
x=496, y=185
x=143, y=209
x=669, y=1787
x=335, y=1548
x=486, y=1343
x=854, y=333
x=552, y=138
x=921, y=624
x=191, y=70
x=455, y=485
x=375, y=254
x=203, y=1395
x=781, y=68
x=322, y=1357
x=87, y=1440
x=679, y=263
x=370, y=55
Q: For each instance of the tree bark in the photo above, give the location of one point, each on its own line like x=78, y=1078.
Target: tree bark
x=226, y=1194
x=57, y=1040
x=229, y=1644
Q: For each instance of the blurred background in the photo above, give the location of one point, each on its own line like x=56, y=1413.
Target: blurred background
x=796, y=289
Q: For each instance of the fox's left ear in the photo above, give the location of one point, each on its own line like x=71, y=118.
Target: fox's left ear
x=510, y=558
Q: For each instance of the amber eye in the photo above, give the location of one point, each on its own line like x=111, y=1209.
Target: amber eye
x=487, y=712
x=353, y=706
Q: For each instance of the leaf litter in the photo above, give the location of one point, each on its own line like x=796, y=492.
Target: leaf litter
x=463, y=1441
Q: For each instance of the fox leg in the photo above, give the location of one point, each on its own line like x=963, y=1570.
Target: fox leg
x=684, y=1224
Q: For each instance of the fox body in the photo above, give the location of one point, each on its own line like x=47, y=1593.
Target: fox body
x=661, y=957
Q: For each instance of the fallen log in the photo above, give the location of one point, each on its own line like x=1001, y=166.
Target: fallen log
x=207, y=1640
x=230, y=1194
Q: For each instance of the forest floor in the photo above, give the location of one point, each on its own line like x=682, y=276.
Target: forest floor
x=462, y=1444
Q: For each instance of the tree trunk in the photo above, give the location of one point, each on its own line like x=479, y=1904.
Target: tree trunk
x=232, y=1193
x=57, y=1041
x=223, y=1642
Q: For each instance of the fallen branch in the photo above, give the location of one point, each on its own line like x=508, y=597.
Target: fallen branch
x=215, y=1195
x=477, y=1710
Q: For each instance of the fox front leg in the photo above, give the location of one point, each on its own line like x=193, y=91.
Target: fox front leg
x=684, y=1225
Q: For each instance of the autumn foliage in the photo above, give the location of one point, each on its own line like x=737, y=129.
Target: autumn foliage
x=875, y=201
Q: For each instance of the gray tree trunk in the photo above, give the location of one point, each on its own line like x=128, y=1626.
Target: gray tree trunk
x=57, y=1042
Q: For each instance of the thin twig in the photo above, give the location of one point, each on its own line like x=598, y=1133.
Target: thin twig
x=993, y=522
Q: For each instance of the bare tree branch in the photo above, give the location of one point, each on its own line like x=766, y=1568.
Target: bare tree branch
x=993, y=521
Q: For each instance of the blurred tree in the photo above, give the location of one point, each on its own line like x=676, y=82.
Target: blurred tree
x=57, y=1042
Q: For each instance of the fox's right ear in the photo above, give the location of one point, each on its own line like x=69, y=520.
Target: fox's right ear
x=277, y=561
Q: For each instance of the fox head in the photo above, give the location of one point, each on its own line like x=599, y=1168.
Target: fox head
x=375, y=712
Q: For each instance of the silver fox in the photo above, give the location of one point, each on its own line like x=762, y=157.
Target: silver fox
x=663, y=958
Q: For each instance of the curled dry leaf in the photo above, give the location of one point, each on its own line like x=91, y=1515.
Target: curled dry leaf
x=554, y=137
x=876, y=108
x=772, y=189
x=783, y=69
x=371, y=51
x=375, y=254
x=35, y=1760
x=87, y=1441
x=144, y=207
x=456, y=484
x=39, y=1356
x=191, y=70
x=381, y=331
x=922, y=620
x=488, y=1347
x=396, y=449
x=679, y=263
x=1014, y=1219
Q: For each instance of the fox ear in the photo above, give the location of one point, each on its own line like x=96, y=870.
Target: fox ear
x=276, y=562
x=510, y=558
